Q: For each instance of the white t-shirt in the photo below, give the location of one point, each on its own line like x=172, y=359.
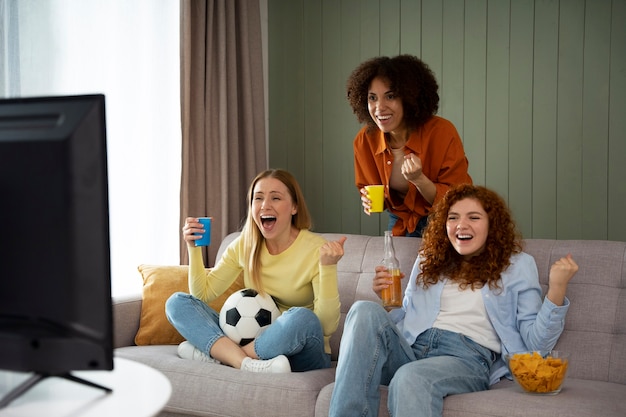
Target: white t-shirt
x=463, y=311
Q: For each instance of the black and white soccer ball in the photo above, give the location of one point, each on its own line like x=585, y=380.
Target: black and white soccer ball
x=246, y=314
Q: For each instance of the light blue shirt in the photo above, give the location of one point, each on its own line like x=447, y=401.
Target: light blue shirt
x=523, y=319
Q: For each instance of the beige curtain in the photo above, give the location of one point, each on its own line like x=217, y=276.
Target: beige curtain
x=222, y=111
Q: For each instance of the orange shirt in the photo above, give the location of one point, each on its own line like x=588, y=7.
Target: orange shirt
x=437, y=143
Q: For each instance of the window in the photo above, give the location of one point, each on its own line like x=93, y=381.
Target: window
x=129, y=51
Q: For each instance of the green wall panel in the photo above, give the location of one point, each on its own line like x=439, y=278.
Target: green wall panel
x=545, y=76
x=520, y=114
x=313, y=133
x=473, y=130
x=410, y=27
x=536, y=89
x=569, y=119
x=497, y=143
x=617, y=125
x=595, y=130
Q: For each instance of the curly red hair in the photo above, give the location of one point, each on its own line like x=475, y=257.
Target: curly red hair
x=440, y=259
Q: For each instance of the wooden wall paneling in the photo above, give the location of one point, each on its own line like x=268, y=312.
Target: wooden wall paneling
x=475, y=89
x=545, y=78
x=370, y=28
x=497, y=149
x=520, y=114
x=595, y=132
x=331, y=87
x=410, y=27
x=299, y=109
x=286, y=77
x=569, y=119
x=389, y=27
x=617, y=124
x=432, y=35
x=351, y=208
x=451, y=77
x=313, y=183
x=275, y=72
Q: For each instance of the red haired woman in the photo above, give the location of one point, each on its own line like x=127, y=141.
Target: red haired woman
x=473, y=296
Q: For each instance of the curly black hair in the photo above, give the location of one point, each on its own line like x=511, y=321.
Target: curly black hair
x=409, y=78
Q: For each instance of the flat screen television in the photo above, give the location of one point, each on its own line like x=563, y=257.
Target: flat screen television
x=55, y=279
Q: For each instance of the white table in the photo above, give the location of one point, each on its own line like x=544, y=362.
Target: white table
x=137, y=390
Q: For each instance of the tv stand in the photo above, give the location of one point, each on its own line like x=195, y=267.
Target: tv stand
x=136, y=390
x=38, y=377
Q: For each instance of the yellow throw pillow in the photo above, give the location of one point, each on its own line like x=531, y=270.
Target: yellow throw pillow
x=159, y=282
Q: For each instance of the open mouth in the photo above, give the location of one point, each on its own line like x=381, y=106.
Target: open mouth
x=268, y=221
x=464, y=237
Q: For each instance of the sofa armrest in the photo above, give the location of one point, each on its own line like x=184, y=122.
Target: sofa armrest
x=126, y=313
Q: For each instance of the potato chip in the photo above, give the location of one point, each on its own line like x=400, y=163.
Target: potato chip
x=535, y=373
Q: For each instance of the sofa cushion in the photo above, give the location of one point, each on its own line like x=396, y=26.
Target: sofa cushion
x=159, y=282
x=579, y=397
x=209, y=389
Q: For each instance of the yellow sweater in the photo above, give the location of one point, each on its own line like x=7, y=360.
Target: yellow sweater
x=294, y=278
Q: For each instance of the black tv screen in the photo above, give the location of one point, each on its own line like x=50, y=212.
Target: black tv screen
x=55, y=279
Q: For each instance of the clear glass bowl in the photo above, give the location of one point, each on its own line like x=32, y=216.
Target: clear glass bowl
x=538, y=372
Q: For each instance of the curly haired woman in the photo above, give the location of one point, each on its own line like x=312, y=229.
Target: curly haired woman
x=473, y=296
x=403, y=145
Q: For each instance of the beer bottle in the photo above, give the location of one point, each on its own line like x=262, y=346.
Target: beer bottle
x=392, y=295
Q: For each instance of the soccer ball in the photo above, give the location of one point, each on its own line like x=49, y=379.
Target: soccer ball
x=245, y=314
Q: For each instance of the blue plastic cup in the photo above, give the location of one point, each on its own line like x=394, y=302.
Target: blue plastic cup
x=205, y=240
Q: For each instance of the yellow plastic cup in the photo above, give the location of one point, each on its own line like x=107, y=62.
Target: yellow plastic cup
x=376, y=194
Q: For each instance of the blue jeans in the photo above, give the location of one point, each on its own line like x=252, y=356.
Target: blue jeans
x=419, y=376
x=419, y=229
x=297, y=333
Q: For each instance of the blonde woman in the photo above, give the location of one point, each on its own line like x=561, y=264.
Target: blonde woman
x=278, y=255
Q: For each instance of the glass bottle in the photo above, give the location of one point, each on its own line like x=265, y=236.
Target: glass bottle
x=392, y=295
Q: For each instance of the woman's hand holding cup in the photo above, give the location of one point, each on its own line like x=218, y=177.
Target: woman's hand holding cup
x=195, y=229
x=373, y=198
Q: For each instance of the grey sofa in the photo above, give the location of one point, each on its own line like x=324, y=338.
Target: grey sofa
x=595, y=336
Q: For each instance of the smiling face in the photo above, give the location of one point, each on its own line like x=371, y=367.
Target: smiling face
x=272, y=208
x=385, y=107
x=467, y=226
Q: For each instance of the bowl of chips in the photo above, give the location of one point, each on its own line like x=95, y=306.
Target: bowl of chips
x=538, y=372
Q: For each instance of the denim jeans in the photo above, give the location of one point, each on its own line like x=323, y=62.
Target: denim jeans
x=419, y=376
x=297, y=333
x=419, y=229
